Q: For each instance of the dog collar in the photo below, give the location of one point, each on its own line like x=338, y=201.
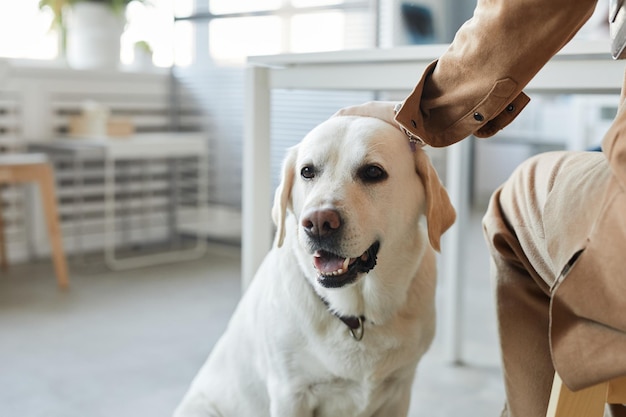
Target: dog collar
x=414, y=140
x=355, y=324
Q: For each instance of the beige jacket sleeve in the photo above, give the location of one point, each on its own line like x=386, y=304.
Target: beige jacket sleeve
x=476, y=85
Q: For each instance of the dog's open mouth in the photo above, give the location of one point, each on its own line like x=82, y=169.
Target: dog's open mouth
x=336, y=271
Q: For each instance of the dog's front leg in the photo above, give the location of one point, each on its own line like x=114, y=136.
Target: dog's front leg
x=287, y=401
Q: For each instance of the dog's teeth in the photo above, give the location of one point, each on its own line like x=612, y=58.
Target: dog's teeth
x=346, y=263
x=334, y=273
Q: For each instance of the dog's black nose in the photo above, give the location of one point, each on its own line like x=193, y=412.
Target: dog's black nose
x=321, y=222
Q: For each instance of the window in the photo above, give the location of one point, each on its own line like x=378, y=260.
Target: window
x=242, y=6
x=237, y=28
x=153, y=22
x=233, y=38
x=25, y=31
x=28, y=33
x=240, y=28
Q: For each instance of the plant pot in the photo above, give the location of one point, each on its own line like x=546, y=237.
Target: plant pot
x=93, y=36
x=142, y=60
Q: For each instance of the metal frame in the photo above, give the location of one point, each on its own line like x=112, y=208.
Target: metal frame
x=140, y=147
x=154, y=146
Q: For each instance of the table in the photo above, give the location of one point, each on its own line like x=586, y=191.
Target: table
x=22, y=168
x=581, y=67
x=167, y=145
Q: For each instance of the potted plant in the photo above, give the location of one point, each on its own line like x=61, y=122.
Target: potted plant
x=89, y=30
x=142, y=55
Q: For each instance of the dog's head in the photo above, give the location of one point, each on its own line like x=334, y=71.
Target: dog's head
x=357, y=191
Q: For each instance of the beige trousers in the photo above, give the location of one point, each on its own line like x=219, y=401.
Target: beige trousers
x=547, y=203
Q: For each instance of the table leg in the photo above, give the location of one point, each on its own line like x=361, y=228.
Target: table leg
x=45, y=179
x=256, y=221
x=457, y=184
x=4, y=263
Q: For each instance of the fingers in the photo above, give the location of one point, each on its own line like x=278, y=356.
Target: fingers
x=383, y=110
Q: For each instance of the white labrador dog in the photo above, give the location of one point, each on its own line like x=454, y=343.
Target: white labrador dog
x=342, y=308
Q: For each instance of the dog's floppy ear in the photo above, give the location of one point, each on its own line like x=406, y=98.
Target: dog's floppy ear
x=282, y=196
x=440, y=214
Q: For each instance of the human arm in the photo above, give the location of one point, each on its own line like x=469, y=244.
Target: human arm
x=475, y=87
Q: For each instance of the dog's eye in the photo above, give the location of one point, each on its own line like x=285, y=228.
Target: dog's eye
x=372, y=173
x=307, y=172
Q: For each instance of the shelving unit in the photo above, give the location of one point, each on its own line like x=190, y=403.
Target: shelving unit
x=137, y=195
x=156, y=198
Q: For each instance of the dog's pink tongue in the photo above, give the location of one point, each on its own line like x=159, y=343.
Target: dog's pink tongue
x=327, y=263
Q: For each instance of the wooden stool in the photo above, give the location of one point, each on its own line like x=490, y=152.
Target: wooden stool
x=588, y=402
x=22, y=168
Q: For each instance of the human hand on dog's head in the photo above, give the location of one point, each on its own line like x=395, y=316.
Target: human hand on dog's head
x=385, y=111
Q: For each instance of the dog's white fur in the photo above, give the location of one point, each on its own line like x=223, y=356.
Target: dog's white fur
x=285, y=353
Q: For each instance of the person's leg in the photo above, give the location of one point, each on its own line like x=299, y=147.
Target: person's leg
x=523, y=271
x=513, y=226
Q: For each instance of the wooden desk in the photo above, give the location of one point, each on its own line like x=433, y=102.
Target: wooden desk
x=581, y=67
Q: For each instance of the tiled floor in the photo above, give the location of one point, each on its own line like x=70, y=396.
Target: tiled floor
x=128, y=343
